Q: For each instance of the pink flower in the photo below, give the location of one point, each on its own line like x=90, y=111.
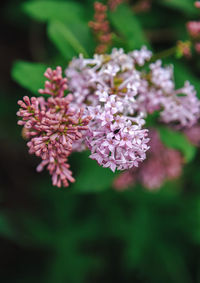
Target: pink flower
x=193, y=134
x=119, y=97
x=56, y=84
x=114, y=141
x=182, y=106
x=197, y=4
x=193, y=28
x=161, y=164
x=141, y=56
x=124, y=180
x=114, y=81
x=162, y=77
x=52, y=127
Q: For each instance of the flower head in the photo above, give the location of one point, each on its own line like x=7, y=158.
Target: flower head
x=53, y=126
x=161, y=164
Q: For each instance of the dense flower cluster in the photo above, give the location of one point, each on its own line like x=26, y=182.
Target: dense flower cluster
x=52, y=126
x=115, y=136
x=161, y=164
x=119, y=96
x=101, y=27
x=112, y=95
x=116, y=141
x=137, y=91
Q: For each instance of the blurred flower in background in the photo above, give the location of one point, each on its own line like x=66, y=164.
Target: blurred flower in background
x=162, y=164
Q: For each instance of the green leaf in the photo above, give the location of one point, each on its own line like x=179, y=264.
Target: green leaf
x=29, y=75
x=66, y=42
x=90, y=176
x=139, y=233
x=67, y=12
x=174, y=262
x=182, y=73
x=185, y=6
x=177, y=140
x=126, y=23
x=72, y=15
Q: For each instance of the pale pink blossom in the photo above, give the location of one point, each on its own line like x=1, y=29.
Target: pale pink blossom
x=193, y=28
x=141, y=56
x=162, y=164
x=182, y=107
x=114, y=141
x=197, y=4
x=193, y=134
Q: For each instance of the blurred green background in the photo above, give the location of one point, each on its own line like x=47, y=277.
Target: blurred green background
x=89, y=232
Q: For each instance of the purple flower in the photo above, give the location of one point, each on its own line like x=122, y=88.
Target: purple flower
x=182, y=107
x=161, y=164
x=115, y=141
x=119, y=97
x=193, y=134
x=111, y=98
x=141, y=56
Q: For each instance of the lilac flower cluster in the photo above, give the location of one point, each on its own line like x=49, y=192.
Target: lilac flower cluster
x=110, y=84
x=119, y=96
x=52, y=126
x=137, y=90
x=112, y=95
x=161, y=164
x=116, y=141
x=179, y=106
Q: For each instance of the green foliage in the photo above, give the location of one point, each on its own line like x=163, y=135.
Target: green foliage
x=127, y=24
x=67, y=12
x=68, y=27
x=177, y=140
x=65, y=40
x=29, y=75
x=99, y=180
x=64, y=236
x=183, y=73
x=185, y=6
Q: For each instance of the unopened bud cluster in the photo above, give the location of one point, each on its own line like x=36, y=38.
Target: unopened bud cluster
x=193, y=28
x=101, y=28
x=52, y=126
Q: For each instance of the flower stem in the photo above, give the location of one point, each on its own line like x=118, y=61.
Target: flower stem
x=165, y=53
